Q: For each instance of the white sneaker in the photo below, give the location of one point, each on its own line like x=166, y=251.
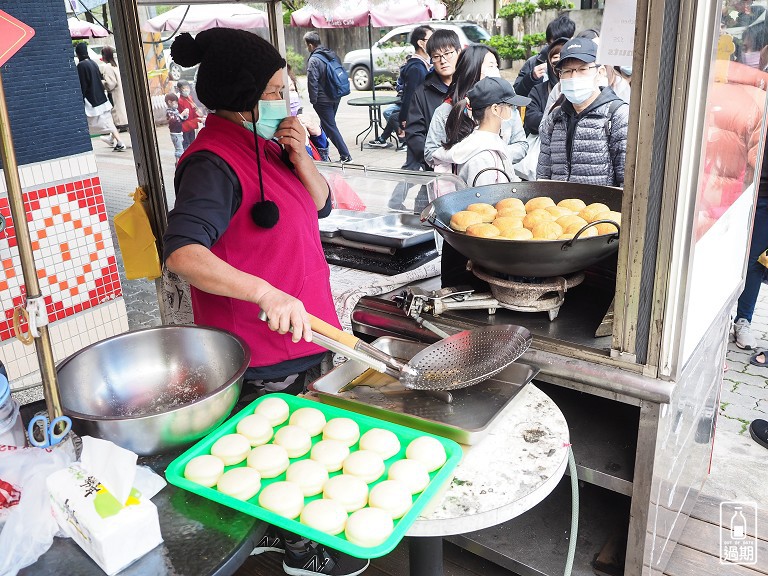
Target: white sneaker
x=108, y=139
x=742, y=334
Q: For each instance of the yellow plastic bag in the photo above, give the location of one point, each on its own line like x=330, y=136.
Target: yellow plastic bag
x=136, y=240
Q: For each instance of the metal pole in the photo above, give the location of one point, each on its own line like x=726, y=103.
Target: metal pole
x=370, y=53
x=18, y=213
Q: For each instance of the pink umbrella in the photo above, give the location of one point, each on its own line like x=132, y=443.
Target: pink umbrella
x=371, y=14
x=82, y=29
x=196, y=17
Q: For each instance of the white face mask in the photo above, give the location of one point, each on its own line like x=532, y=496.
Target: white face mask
x=577, y=90
x=751, y=59
x=504, y=117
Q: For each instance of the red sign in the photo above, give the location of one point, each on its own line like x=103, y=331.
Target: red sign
x=13, y=35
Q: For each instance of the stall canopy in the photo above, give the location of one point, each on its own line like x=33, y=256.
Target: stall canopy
x=368, y=13
x=197, y=17
x=81, y=29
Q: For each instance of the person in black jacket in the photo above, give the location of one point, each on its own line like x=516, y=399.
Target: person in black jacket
x=539, y=94
x=325, y=104
x=535, y=68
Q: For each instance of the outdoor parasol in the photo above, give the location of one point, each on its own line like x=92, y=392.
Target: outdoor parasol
x=80, y=29
x=204, y=16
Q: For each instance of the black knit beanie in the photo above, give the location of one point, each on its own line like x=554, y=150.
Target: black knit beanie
x=235, y=66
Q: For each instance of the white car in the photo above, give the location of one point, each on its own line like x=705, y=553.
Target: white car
x=394, y=48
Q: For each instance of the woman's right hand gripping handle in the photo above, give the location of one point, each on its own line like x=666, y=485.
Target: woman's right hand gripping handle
x=286, y=314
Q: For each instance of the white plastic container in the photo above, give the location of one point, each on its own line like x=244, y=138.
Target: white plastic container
x=11, y=427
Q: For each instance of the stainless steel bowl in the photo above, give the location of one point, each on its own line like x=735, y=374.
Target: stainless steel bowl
x=156, y=389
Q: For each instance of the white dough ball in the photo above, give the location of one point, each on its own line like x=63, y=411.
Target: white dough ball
x=325, y=515
x=427, y=450
x=294, y=439
x=394, y=496
x=411, y=472
x=365, y=464
x=269, y=460
x=369, y=527
x=349, y=491
x=283, y=498
x=273, y=409
x=344, y=430
x=242, y=483
x=379, y=440
x=330, y=453
x=231, y=448
x=309, y=475
x=204, y=470
x=311, y=419
x=256, y=428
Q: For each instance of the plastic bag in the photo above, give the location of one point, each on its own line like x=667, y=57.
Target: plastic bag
x=136, y=240
x=526, y=168
x=342, y=194
x=29, y=527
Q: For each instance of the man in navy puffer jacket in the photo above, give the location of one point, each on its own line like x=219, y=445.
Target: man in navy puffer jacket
x=584, y=139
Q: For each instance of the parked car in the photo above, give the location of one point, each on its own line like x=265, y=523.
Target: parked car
x=176, y=71
x=394, y=48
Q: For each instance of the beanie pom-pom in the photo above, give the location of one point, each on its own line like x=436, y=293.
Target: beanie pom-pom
x=265, y=214
x=186, y=51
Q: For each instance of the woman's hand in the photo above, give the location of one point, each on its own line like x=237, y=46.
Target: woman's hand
x=292, y=136
x=285, y=314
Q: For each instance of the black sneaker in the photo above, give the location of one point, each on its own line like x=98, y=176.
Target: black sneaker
x=272, y=541
x=119, y=147
x=378, y=144
x=758, y=429
x=345, y=159
x=318, y=559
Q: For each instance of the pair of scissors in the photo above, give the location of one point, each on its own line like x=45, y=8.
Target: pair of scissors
x=50, y=436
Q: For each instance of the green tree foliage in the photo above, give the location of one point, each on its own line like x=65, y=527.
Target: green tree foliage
x=297, y=62
x=510, y=48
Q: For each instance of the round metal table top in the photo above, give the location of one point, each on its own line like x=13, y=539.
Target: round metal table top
x=369, y=101
x=508, y=472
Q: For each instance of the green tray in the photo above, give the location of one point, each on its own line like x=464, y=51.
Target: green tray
x=175, y=475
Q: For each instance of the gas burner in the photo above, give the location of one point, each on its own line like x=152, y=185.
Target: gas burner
x=528, y=294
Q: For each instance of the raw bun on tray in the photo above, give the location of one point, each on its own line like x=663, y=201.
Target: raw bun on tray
x=294, y=439
x=242, y=483
x=510, y=203
x=412, y=473
x=483, y=230
x=231, y=448
x=365, y=464
x=269, y=460
x=540, y=202
x=382, y=441
x=204, y=470
x=283, y=498
x=309, y=475
x=369, y=527
x=575, y=205
x=256, y=428
x=394, y=496
x=517, y=234
x=546, y=231
x=345, y=430
x=325, y=515
x=428, y=451
x=590, y=212
x=487, y=211
x=349, y=491
x=311, y=419
x=330, y=453
x=460, y=220
x=273, y=409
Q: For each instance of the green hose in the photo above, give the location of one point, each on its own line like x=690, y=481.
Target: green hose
x=574, y=512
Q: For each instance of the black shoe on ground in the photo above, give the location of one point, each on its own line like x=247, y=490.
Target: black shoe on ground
x=317, y=559
x=345, y=159
x=378, y=144
x=759, y=432
x=272, y=541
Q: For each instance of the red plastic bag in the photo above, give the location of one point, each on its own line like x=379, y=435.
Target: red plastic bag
x=342, y=194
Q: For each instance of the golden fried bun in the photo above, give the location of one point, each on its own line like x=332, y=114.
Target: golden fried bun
x=575, y=205
x=514, y=211
x=546, y=231
x=535, y=217
x=588, y=233
x=590, y=212
x=571, y=220
x=538, y=202
x=557, y=211
x=605, y=228
x=608, y=228
x=487, y=211
x=483, y=230
x=464, y=218
x=517, y=234
x=508, y=223
x=510, y=203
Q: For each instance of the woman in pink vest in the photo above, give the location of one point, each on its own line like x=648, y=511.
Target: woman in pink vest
x=244, y=232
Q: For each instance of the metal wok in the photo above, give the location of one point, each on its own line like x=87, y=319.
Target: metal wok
x=540, y=258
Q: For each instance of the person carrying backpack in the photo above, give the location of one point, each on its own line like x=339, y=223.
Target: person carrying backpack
x=327, y=83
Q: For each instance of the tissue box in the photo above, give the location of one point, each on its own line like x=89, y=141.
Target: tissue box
x=114, y=535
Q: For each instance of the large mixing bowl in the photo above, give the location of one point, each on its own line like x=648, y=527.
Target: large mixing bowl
x=156, y=389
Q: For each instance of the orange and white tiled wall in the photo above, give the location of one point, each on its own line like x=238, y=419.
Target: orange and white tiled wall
x=75, y=260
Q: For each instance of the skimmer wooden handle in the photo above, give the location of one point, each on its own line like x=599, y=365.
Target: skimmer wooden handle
x=329, y=331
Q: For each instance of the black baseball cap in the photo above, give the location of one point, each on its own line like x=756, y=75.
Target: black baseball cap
x=582, y=49
x=494, y=90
